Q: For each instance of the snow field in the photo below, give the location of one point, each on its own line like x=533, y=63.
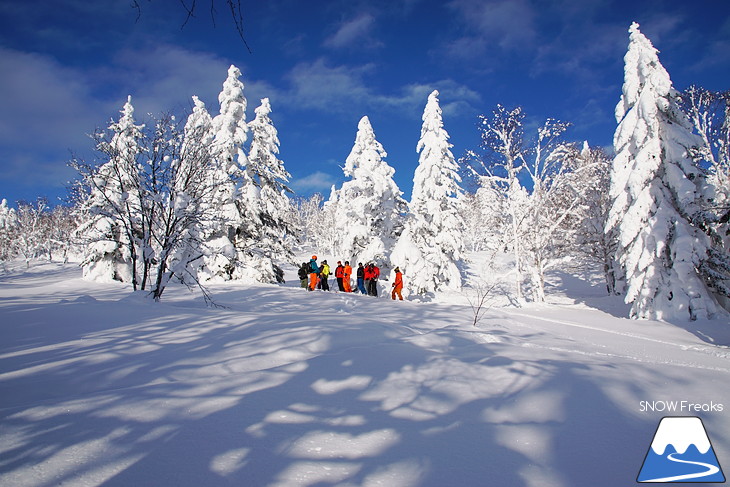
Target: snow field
x=285, y=387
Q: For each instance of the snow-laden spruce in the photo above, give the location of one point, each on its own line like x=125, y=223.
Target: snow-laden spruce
x=431, y=244
x=230, y=132
x=368, y=208
x=657, y=190
x=267, y=229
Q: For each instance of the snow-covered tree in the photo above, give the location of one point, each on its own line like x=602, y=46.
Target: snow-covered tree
x=185, y=198
x=593, y=241
x=710, y=115
x=498, y=170
x=368, y=208
x=230, y=132
x=32, y=233
x=8, y=223
x=114, y=225
x=431, y=243
x=269, y=230
x=657, y=190
x=483, y=215
x=552, y=201
x=315, y=222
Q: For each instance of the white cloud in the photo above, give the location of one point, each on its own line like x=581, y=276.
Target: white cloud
x=51, y=108
x=47, y=111
x=317, y=181
x=163, y=78
x=455, y=97
x=506, y=24
x=45, y=103
x=345, y=89
x=354, y=32
x=333, y=89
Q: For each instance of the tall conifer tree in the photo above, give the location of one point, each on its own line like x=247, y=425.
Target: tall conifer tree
x=431, y=243
x=368, y=207
x=657, y=190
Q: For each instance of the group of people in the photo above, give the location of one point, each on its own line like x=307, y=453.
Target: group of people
x=315, y=276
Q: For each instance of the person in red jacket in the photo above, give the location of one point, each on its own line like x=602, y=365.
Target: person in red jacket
x=346, y=277
x=368, y=276
x=398, y=284
x=374, y=280
x=339, y=274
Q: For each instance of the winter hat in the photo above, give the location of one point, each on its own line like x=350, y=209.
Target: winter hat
x=324, y=261
x=314, y=257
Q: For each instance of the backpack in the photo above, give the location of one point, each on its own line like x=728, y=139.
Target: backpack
x=302, y=272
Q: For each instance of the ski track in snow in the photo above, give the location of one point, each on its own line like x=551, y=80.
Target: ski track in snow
x=708, y=350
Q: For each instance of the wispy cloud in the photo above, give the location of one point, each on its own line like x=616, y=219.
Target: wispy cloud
x=506, y=25
x=348, y=89
x=163, y=78
x=50, y=111
x=354, y=32
x=329, y=88
x=53, y=107
x=317, y=181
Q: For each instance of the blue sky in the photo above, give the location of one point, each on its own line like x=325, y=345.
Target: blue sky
x=68, y=65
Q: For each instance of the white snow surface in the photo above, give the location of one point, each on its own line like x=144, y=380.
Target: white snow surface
x=283, y=387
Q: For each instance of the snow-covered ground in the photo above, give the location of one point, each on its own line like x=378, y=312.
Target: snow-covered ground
x=284, y=387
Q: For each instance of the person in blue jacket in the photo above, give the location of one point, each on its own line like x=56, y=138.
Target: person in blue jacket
x=361, y=278
x=313, y=273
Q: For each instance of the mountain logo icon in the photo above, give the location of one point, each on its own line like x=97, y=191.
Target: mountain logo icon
x=681, y=452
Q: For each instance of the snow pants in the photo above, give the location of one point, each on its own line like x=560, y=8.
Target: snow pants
x=361, y=285
x=346, y=284
x=396, y=291
x=304, y=283
x=340, y=286
x=313, y=281
x=373, y=287
x=325, y=284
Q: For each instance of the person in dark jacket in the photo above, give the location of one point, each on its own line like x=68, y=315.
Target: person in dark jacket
x=303, y=275
x=361, y=278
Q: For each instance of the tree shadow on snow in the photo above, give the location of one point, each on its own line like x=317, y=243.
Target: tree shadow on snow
x=330, y=391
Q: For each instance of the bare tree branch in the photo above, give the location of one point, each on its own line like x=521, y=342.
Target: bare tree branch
x=235, y=8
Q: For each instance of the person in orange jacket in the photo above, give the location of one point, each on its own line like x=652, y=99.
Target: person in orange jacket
x=398, y=284
x=346, y=277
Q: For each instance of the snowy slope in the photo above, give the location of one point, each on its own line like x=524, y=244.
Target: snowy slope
x=282, y=387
